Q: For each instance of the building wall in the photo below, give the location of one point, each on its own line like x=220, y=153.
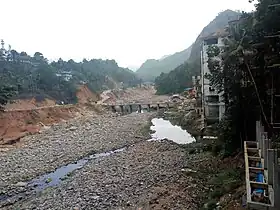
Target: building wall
x=212, y=110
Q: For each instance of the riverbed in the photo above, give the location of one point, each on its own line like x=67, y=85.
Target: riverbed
x=101, y=162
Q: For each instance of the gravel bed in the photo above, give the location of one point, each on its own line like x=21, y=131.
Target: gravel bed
x=147, y=175
x=68, y=142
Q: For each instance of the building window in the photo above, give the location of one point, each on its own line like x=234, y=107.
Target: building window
x=211, y=41
x=211, y=89
x=212, y=99
x=213, y=111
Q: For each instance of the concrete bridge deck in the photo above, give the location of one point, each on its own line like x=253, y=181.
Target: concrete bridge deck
x=130, y=107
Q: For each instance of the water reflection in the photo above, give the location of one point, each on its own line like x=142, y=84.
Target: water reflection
x=165, y=130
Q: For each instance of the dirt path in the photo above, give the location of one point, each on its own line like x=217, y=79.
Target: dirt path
x=145, y=94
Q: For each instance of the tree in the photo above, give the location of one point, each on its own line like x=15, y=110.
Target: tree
x=15, y=55
x=59, y=80
x=23, y=54
x=244, y=76
x=6, y=92
x=175, y=81
x=38, y=56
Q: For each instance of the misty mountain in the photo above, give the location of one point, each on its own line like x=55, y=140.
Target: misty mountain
x=180, y=77
x=163, y=57
x=153, y=68
x=215, y=26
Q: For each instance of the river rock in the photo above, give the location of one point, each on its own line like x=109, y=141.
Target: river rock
x=188, y=170
x=21, y=184
x=72, y=128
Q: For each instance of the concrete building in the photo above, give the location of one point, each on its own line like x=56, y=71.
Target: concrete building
x=65, y=75
x=212, y=101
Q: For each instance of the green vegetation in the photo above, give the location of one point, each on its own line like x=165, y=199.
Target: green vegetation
x=225, y=182
x=246, y=77
x=215, y=26
x=175, y=81
x=153, y=68
x=6, y=92
x=35, y=76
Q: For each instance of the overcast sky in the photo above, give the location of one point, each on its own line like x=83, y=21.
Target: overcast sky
x=129, y=31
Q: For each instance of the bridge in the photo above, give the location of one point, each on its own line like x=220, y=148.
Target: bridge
x=133, y=107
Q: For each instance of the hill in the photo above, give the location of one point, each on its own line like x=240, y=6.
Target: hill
x=35, y=76
x=180, y=77
x=215, y=26
x=153, y=68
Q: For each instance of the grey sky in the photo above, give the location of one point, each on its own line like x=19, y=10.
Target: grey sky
x=129, y=31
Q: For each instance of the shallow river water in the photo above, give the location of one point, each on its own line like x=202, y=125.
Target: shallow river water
x=163, y=129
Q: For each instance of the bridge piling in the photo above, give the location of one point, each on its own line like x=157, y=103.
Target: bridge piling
x=122, y=110
x=139, y=108
x=130, y=108
x=113, y=108
x=149, y=107
x=127, y=111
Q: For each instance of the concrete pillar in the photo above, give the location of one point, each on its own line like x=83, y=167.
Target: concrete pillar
x=149, y=107
x=139, y=108
x=258, y=124
x=262, y=147
x=276, y=182
x=127, y=109
x=122, y=110
x=114, y=108
x=270, y=165
x=266, y=145
x=130, y=108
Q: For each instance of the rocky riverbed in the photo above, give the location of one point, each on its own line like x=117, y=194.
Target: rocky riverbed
x=145, y=175
x=117, y=166
x=66, y=142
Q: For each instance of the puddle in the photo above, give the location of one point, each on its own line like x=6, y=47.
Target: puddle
x=54, y=178
x=163, y=129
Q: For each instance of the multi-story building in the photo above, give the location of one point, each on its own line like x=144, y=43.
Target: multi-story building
x=65, y=75
x=212, y=101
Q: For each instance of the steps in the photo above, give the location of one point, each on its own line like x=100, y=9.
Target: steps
x=262, y=173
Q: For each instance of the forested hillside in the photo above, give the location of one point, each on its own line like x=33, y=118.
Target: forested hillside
x=177, y=80
x=215, y=26
x=153, y=68
x=35, y=76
